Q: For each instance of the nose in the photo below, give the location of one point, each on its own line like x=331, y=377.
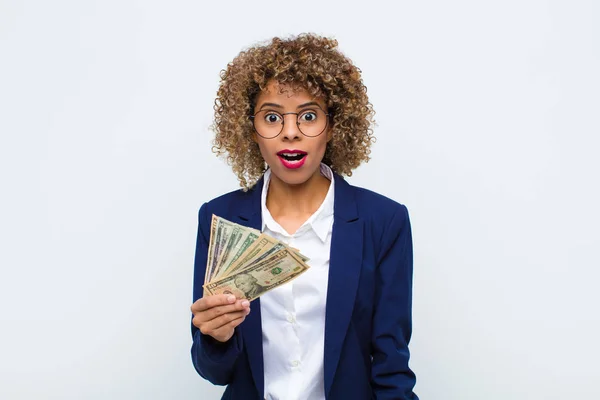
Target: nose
x=290, y=127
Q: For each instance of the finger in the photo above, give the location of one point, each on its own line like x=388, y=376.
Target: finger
x=215, y=325
x=212, y=301
x=215, y=312
x=223, y=332
x=225, y=319
x=226, y=331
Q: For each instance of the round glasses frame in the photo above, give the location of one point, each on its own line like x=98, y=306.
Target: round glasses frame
x=253, y=117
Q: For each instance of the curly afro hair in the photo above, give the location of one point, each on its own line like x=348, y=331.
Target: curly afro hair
x=306, y=61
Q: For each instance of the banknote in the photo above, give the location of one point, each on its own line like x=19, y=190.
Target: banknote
x=246, y=262
x=230, y=242
x=211, y=246
x=221, y=231
x=264, y=248
x=224, y=237
x=263, y=244
x=300, y=255
x=272, y=271
x=267, y=252
x=235, y=252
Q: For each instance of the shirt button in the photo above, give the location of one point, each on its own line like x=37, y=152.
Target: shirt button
x=295, y=363
x=290, y=318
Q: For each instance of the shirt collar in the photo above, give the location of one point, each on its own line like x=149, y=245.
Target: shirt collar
x=320, y=222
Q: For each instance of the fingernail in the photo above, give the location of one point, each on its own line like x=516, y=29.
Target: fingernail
x=246, y=303
x=231, y=298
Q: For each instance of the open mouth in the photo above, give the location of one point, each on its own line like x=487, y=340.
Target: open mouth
x=292, y=158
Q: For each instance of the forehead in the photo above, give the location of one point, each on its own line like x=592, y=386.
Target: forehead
x=286, y=94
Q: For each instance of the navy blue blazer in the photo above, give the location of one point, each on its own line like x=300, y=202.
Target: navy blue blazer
x=369, y=301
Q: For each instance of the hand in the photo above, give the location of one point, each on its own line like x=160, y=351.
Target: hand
x=218, y=315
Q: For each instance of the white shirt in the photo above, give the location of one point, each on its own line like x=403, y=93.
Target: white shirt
x=293, y=315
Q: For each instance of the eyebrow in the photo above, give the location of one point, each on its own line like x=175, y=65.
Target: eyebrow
x=270, y=105
x=310, y=103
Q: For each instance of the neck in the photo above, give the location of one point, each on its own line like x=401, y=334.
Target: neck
x=300, y=200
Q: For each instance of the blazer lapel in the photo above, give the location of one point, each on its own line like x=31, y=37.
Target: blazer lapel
x=249, y=214
x=344, y=272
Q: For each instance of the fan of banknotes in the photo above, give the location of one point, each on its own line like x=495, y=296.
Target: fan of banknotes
x=247, y=263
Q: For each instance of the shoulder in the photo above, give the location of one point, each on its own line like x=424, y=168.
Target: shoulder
x=231, y=198
x=229, y=205
x=231, y=202
x=373, y=206
x=386, y=221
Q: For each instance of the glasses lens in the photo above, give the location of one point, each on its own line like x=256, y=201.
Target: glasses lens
x=268, y=123
x=312, y=122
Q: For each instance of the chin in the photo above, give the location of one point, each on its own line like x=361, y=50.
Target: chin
x=294, y=177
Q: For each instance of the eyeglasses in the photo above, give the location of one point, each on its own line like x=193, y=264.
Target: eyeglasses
x=269, y=124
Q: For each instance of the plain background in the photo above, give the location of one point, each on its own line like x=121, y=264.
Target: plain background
x=488, y=131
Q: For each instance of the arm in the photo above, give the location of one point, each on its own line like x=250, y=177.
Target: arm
x=212, y=359
x=391, y=377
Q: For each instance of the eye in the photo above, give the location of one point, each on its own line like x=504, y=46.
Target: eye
x=309, y=116
x=272, y=118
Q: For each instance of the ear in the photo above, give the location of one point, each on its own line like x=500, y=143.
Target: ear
x=254, y=137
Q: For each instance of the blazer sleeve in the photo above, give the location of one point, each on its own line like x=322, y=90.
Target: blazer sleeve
x=213, y=360
x=391, y=377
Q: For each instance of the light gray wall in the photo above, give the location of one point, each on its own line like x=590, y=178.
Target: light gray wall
x=488, y=131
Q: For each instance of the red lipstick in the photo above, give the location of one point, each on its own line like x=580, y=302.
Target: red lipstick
x=292, y=159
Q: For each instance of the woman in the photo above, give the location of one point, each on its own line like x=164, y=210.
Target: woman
x=341, y=330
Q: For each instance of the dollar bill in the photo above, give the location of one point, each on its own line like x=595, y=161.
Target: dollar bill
x=272, y=271
x=266, y=252
x=211, y=245
x=300, y=255
x=263, y=244
x=232, y=241
x=224, y=236
x=263, y=255
x=246, y=262
x=217, y=240
x=236, y=252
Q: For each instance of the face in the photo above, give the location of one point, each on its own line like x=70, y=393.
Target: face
x=293, y=157
x=244, y=282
